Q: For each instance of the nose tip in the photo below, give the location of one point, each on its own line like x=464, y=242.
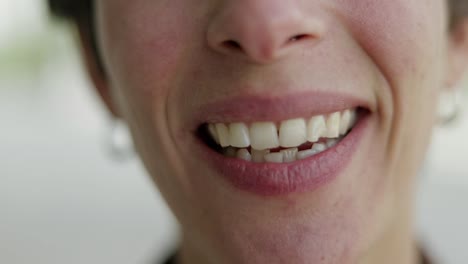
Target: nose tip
x=261, y=33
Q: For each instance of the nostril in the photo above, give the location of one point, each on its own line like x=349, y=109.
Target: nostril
x=232, y=45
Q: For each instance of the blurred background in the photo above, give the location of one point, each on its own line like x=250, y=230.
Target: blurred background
x=63, y=200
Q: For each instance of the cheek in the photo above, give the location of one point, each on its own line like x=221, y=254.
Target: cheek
x=143, y=44
x=401, y=36
x=405, y=40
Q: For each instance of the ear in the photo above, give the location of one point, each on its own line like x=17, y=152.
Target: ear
x=95, y=68
x=457, y=53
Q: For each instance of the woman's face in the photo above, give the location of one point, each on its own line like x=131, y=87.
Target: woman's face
x=176, y=68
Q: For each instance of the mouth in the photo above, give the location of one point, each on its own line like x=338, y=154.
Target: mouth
x=279, y=142
x=293, y=155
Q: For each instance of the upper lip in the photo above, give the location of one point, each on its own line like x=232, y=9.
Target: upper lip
x=275, y=108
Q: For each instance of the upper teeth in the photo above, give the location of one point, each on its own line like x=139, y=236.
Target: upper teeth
x=287, y=134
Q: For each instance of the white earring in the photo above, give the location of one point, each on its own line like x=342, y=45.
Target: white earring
x=449, y=106
x=118, y=141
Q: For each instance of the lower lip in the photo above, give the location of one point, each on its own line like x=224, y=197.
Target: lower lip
x=270, y=179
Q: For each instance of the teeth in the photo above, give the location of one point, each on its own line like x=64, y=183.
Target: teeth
x=289, y=155
x=213, y=132
x=284, y=156
x=223, y=134
x=276, y=157
x=316, y=149
x=345, y=122
x=244, y=154
x=331, y=142
x=256, y=143
x=264, y=135
x=316, y=128
x=319, y=147
x=306, y=153
x=292, y=133
x=259, y=155
x=239, y=135
x=230, y=152
x=333, y=125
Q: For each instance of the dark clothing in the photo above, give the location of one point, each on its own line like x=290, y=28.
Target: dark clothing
x=171, y=260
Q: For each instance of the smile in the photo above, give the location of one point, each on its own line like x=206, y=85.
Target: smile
x=282, y=142
x=289, y=155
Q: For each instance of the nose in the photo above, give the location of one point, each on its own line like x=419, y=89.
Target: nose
x=262, y=30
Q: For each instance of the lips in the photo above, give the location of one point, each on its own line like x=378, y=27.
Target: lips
x=247, y=144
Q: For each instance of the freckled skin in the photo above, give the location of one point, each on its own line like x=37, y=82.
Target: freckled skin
x=165, y=59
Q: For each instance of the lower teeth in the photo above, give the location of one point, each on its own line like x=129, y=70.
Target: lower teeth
x=280, y=156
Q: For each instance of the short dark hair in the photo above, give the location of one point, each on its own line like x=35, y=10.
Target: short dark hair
x=458, y=10
x=77, y=10
x=80, y=12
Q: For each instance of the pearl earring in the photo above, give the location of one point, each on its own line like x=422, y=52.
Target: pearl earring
x=449, y=106
x=118, y=141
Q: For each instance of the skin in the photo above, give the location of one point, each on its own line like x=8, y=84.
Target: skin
x=395, y=55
